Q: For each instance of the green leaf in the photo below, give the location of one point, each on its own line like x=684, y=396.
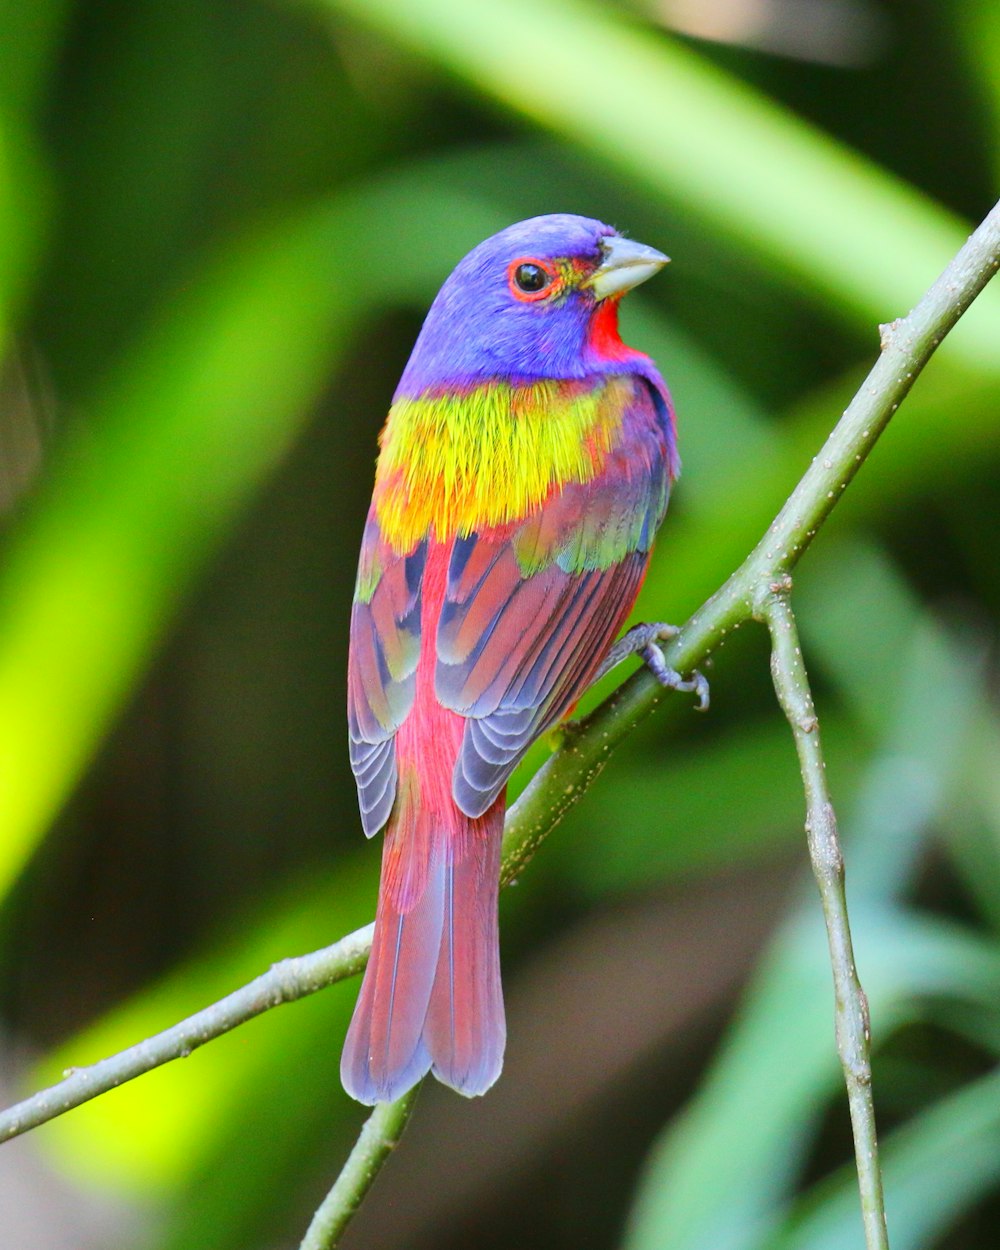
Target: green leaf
x=720, y=1175
x=935, y=1169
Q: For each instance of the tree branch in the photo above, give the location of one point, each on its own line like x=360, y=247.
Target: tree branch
x=907, y=345
x=853, y=1029
x=378, y=1138
x=283, y=983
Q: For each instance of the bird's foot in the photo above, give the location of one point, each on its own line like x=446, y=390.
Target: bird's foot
x=644, y=640
x=670, y=679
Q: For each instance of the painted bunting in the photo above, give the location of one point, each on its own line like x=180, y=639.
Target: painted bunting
x=524, y=469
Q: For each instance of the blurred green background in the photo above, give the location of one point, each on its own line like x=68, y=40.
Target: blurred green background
x=220, y=223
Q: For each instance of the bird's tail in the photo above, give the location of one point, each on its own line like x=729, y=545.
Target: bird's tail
x=431, y=995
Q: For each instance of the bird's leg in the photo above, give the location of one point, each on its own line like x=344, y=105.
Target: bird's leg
x=644, y=640
x=638, y=638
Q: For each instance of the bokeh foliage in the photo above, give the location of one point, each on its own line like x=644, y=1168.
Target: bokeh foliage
x=219, y=224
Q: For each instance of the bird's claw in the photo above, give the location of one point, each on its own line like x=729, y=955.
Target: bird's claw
x=644, y=640
x=670, y=679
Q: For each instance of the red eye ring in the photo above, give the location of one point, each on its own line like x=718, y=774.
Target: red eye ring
x=524, y=271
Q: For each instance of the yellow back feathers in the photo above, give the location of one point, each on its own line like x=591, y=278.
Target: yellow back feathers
x=459, y=463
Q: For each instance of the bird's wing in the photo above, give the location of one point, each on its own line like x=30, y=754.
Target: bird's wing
x=382, y=666
x=531, y=610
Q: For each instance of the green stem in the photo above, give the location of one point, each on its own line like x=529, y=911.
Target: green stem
x=853, y=1030
x=378, y=1138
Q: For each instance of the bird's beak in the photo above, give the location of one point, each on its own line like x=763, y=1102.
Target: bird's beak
x=625, y=264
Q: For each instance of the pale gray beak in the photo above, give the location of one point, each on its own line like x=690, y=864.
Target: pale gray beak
x=626, y=264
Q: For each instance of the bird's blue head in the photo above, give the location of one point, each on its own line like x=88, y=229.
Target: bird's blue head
x=538, y=300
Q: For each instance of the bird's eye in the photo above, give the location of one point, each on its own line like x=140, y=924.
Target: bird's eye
x=531, y=279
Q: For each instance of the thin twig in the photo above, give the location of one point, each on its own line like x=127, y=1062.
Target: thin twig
x=853, y=1029
x=907, y=345
x=283, y=983
x=379, y=1136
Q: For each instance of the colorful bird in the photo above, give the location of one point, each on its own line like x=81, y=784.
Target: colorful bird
x=524, y=469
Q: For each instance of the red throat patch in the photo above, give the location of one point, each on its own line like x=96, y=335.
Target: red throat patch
x=604, y=339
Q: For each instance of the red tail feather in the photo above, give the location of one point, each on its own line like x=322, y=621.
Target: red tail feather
x=431, y=995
